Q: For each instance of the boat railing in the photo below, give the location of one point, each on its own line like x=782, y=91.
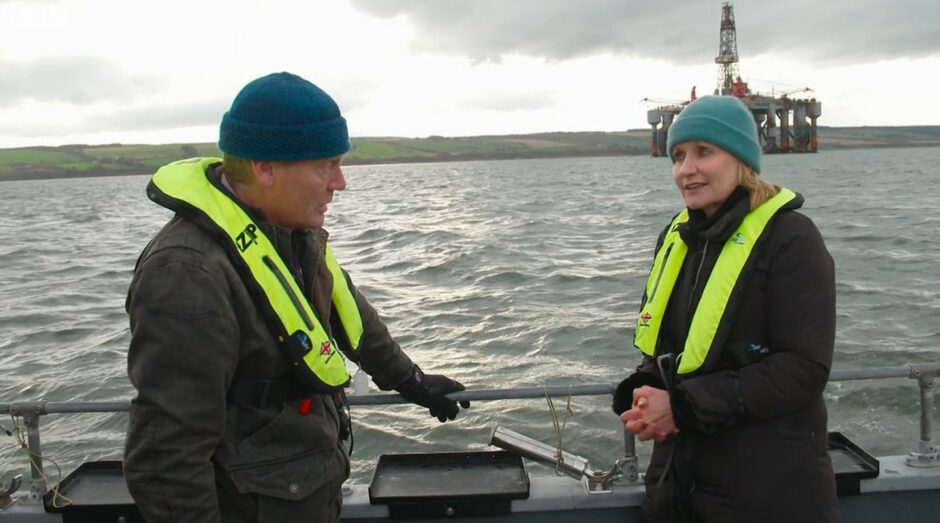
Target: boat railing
x=925, y=455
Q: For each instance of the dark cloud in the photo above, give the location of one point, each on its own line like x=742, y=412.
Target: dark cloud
x=72, y=80
x=680, y=31
x=191, y=114
x=149, y=118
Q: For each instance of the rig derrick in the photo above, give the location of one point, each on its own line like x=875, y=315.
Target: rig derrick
x=784, y=124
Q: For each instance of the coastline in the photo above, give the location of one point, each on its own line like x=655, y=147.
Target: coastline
x=88, y=161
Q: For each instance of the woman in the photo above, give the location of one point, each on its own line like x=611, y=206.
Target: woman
x=736, y=328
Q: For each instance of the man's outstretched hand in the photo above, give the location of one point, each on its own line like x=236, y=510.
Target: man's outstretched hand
x=430, y=390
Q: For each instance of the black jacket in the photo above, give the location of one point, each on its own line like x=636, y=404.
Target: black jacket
x=753, y=439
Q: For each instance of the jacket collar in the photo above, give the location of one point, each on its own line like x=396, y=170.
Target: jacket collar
x=719, y=226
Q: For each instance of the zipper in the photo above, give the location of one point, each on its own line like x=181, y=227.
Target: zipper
x=698, y=274
x=290, y=292
x=662, y=268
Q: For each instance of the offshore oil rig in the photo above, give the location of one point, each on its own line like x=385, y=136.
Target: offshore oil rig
x=784, y=124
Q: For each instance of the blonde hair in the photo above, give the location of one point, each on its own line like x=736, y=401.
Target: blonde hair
x=758, y=189
x=237, y=169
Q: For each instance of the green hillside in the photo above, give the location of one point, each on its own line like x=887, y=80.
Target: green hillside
x=442, y=149
x=93, y=160
x=119, y=159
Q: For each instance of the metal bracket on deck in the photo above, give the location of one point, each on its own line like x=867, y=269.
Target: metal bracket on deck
x=30, y=411
x=569, y=464
x=925, y=456
x=628, y=463
x=601, y=482
x=6, y=494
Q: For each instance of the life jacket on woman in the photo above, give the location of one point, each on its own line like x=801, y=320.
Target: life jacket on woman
x=714, y=314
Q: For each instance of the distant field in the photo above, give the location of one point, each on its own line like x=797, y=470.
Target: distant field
x=118, y=159
x=95, y=160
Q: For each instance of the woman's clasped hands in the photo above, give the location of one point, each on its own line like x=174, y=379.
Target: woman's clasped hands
x=650, y=417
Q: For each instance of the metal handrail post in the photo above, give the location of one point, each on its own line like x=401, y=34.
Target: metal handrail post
x=926, y=407
x=927, y=454
x=37, y=480
x=631, y=468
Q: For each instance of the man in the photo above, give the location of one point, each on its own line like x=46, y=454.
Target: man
x=237, y=308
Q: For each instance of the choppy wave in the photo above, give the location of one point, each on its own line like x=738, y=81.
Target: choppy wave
x=500, y=274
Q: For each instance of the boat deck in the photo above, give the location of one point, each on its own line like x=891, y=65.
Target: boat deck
x=888, y=488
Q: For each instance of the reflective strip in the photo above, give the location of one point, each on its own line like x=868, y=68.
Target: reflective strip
x=345, y=302
x=662, y=278
x=714, y=301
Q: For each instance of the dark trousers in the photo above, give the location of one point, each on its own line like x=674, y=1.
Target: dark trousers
x=322, y=506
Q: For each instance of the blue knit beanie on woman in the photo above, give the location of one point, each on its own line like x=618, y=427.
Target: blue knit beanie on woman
x=720, y=120
x=282, y=117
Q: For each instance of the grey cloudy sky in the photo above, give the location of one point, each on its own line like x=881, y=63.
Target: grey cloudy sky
x=679, y=31
x=102, y=71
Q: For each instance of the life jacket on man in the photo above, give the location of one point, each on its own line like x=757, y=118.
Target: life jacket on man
x=185, y=187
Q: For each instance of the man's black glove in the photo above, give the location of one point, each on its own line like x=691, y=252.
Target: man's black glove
x=623, y=396
x=428, y=390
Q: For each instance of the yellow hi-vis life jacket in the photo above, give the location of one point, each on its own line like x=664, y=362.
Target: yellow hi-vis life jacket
x=701, y=344
x=184, y=187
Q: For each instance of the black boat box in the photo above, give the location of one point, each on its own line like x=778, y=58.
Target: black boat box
x=851, y=464
x=97, y=492
x=448, y=484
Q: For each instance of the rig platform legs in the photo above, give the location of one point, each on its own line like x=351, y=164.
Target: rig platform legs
x=784, y=125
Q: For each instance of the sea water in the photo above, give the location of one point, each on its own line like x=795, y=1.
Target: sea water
x=510, y=274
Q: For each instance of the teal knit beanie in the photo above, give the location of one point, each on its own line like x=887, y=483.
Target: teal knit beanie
x=282, y=117
x=720, y=120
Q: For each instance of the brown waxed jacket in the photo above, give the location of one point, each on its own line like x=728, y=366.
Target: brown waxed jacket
x=190, y=454
x=752, y=444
